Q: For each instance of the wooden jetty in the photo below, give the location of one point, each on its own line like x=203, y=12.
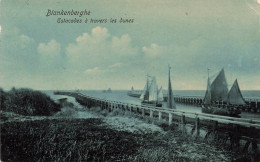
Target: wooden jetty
x=236, y=132
x=252, y=104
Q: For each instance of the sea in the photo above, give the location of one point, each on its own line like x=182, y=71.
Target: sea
x=121, y=95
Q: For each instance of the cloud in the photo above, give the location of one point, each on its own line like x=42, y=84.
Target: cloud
x=94, y=70
x=99, y=48
x=17, y=47
x=153, y=51
x=51, y=49
x=25, y=41
x=116, y=65
x=123, y=45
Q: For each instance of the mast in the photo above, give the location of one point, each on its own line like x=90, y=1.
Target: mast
x=207, y=98
x=235, y=96
x=170, y=102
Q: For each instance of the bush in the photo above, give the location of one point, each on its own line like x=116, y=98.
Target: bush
x=28, y=102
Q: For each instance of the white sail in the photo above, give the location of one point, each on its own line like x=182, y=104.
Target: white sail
x=145, y=92
x=153, y=90
x=160, y=94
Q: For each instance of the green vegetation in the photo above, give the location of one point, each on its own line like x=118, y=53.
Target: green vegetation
x=65, y=140
x=101, y=136
x=93, y=140
x=27, y=102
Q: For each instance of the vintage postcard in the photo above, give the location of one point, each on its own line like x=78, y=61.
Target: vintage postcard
x=130, y=80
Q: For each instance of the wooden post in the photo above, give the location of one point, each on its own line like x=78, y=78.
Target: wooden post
x=109, y=107
x=197, y=126
x=160, y=115
x=183, y=123
x=254, y=150
x=170, y=118
x=151, y=113
x=142, y=111
x=215, y=126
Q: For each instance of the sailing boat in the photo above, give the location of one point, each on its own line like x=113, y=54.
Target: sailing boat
x=134, y=93
x=217, y=93
x=170, y=101
x=160, y=94
x=150, y=93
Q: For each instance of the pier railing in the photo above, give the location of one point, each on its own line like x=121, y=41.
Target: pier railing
x=228, y=128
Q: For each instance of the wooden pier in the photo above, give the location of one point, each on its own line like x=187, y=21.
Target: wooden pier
x=252, y=105
x=240, y=134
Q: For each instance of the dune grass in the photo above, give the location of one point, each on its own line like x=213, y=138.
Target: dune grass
x=69, y=138
x=27, y=102
x=93, y=140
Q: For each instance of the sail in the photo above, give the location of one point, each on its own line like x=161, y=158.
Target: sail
x=145, y=92
x=160, y=94
x=170, y=102
x=234, y=96
x=219, y=89
x=207, y=98
x=153, y=90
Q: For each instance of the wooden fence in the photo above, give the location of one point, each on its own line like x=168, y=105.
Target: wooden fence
x=236, y=131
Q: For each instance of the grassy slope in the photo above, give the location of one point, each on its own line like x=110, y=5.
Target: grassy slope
x=27, y=102
x=93, y=140
x=101, y=136
x=65, y=140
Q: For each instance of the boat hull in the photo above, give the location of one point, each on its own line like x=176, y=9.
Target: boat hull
x=145, y=103
x=232, y=112
x=134, y=94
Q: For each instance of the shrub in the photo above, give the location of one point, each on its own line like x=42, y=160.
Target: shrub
x=27, y=102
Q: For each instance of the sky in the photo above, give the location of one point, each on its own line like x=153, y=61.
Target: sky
x=191, y=36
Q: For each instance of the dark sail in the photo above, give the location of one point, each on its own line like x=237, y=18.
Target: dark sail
x=207, y=98
x=170, y=102
x=234, y=96
x=219, y=89
x=145, y=94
